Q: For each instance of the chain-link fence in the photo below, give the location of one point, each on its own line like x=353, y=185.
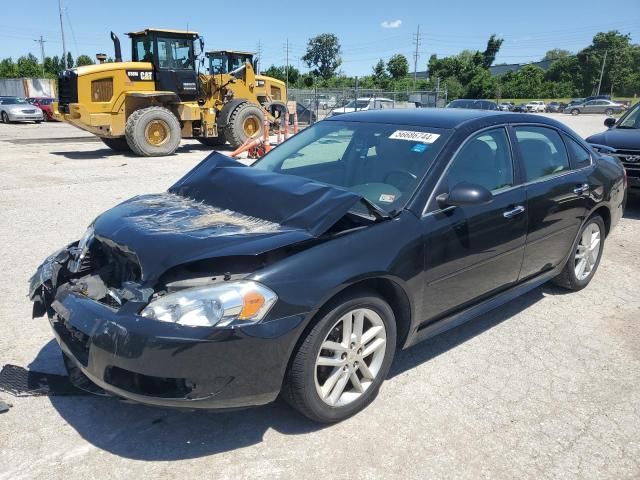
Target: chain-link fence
x=316, y=104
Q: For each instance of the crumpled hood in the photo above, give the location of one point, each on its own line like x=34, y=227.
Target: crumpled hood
x=618, y=138
x=221, y=208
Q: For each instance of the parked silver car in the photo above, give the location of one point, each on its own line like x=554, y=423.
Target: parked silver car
x=595, y=106
x=13, y=109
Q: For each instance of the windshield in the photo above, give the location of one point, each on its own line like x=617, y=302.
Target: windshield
x=357, y=104
x=13, y=101
x=631, y=119
x=383, y=163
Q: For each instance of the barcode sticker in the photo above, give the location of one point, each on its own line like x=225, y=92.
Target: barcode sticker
x=412, y=136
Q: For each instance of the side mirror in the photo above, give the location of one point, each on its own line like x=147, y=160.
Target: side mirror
x=465, y=194
x=609, y=122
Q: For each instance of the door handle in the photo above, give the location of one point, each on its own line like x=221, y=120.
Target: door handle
x=512, y=213
x=580, y=189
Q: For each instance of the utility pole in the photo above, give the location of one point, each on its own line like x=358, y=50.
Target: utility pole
x=416, y=55
x=604, y=60
x=287, y=67
x=259, y=55
x=41, y=42
x=64, y=47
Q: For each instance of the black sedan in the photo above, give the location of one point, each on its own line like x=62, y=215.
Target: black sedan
x=303, y=274
x=622, y=140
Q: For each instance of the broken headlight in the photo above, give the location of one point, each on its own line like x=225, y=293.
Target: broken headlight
x=82, y=250
x=222, y=305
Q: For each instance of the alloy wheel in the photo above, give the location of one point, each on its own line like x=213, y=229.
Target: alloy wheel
x=350, y=357
x=587, y=251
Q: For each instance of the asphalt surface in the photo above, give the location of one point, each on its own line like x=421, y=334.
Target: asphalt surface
x=545, y=387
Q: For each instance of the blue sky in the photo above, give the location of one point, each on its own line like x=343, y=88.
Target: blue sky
x=367, y=30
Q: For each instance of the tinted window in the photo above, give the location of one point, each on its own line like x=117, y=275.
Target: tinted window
x=484, y=160
x=580, y=155
x=175, y=53
x=543, y=152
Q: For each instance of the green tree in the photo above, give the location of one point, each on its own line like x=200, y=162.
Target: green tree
x=525, y=83
x=281, y=73
x=398, y=66
x=323, y=54
x=8, y=68
x=493, y=47
x=380, y=77
x=556, y=54
x=70, y=63
x=84, y=60
x=27, y=66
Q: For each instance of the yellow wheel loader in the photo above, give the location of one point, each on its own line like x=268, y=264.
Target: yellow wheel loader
x=149, y=104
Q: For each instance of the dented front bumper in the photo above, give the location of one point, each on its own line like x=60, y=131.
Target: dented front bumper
x=160, y=363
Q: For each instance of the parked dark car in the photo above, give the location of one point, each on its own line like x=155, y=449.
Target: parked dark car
x=44, y=104
x=520, y=108
x=622, y=140
x=303, y=274
x=556, y=107
x=473, y=104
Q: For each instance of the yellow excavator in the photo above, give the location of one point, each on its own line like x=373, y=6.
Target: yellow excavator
x=149, y=104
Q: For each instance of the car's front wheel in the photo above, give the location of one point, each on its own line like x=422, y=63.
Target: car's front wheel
x=338, y=368
x=5, y=118
x=575, y=111
x=585, y=256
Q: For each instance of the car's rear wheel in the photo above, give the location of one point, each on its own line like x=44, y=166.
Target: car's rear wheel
x=608, y=112
x=585, y=256
x=5, y=118
x=575, y=111
x=341, y=363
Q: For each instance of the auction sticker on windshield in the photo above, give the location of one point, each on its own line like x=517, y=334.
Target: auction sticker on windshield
x=413, y=136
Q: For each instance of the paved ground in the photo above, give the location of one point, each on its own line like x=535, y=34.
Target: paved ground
x=546, y=387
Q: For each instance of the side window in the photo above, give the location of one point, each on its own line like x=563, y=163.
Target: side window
x=484, y=160
x=580, y=155
x=332, y=147
x=543, y=152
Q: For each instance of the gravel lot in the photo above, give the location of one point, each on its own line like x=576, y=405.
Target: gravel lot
x=546, y=387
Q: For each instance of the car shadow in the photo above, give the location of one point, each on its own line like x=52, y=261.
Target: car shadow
x=102, y=153
x=149, y=433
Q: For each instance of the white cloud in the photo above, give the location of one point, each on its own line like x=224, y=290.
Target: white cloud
x=391, y=23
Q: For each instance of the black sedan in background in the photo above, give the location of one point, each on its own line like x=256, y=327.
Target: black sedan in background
x=622, y=140
x=303, y=274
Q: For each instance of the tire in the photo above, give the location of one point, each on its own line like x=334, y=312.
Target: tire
x=218, y=141
x=305, y=379
x=5, y=118
x=247, y=120
x=608, y=112
x=116, y=144
x=153, y=132
x=575, y=112
x=569, y=278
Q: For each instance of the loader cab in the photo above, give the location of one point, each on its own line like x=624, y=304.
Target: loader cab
x=173, y=57
x=227, y=61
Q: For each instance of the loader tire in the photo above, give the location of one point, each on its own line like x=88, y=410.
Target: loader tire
x=116, y=144
x=153, y=132
x=246, y=121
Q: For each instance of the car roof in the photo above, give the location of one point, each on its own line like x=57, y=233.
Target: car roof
x=374, y=98
x=441, y=117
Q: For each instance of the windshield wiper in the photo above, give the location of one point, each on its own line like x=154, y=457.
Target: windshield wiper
x=375, y=210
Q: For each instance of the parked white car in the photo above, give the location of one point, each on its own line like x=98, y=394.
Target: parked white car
x=363, y=104
x=536, y=106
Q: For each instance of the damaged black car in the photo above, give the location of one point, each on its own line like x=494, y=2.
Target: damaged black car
x=303, y=274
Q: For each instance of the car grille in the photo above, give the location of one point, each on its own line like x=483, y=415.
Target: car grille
x=630, y=160
x=67, y=89
x=28, y=111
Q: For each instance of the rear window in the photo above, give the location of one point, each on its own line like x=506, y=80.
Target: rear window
x=543, y=152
